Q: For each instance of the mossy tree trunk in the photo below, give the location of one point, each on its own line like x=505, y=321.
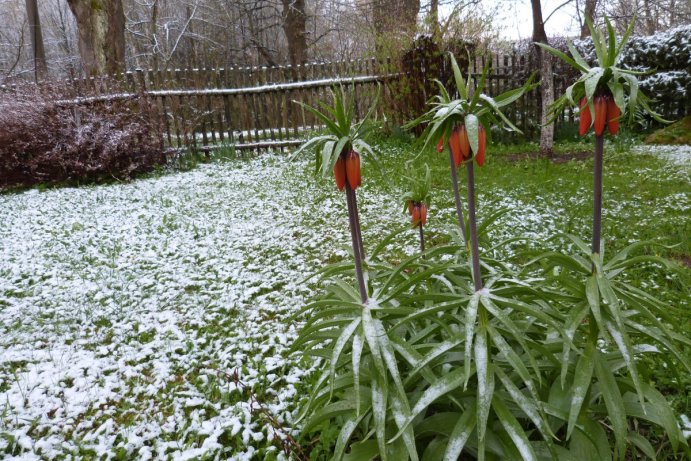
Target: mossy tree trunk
x=101, y=25
x=295, y=29
x=546, y=81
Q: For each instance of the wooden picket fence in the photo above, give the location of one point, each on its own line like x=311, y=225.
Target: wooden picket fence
x=254, y=108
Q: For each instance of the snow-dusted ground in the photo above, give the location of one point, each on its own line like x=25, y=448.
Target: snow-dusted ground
x=676, y=155
x=122, y=307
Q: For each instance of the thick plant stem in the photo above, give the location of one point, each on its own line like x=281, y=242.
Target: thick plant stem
x=474, y=247
x=457, y=196
x=597, y=194
x=356, y=212
x=354, y=232
x=422, y=238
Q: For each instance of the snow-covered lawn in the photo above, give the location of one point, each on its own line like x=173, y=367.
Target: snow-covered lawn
x=125, y=308
x=676, y=155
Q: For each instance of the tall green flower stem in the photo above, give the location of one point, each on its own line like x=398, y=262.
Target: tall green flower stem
x=597, y=194
x=422, y=238
x=356, y=212
x=457, y=197
x=351, y=200
x=474, y=247
x=338, y=152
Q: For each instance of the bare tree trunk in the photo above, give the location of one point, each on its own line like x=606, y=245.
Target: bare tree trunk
x=40, y=68
x=434, y=17
x=101, y=25
x=546, y=81
x=154, y=29
x=588, y=13
x=295, y=28
x=547, y=92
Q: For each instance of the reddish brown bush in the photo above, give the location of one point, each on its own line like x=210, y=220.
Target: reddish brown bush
x=47, y=137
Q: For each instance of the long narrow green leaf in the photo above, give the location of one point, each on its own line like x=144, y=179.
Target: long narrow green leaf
x=470, y=321
x=514, y=429
x=563, y=56
x=611, y=43
x=379, y=402
x=440, y=387
x=581, y=385
x=591, y=81
x=344, y=437
x=371, y=337
x=472, y=127
x=461, y=433
x=460, y=83
x=358, y=345
x=340, y=345
x=577, y=57
x=328, y=412
x=613, y=401
x=576, y=316
x=597, y=42
x=657, y=411
x=513, y=359
x=485, y=383
x=642, y=444
x=333, y=127
x=438, y=350
x=592, y=293
x=480, y=86
x=626, y=36
x=530, y=408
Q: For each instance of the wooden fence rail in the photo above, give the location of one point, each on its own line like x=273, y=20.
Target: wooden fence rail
x=252, y=107
x=246, y=118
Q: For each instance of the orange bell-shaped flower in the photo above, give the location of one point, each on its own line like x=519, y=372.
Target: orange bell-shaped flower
x=416, y=214
x=481, y=146
x=585, y=117
x=440, y=144
x=455, y=146
x=340, y=172
x=613, y=115
x=423, y=213
x=352, y=164
x=600, y=114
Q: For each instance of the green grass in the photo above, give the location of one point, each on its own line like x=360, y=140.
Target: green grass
x=645, y=198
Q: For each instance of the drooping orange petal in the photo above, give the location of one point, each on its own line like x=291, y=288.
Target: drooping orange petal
x=455, y=146
x=613, y=114
x=481, y=146
x=352, y=164
x=423, y=213
x=440, y=144
x=340, y=173
x=410, y=207
x=586, y=118
x=416, y=215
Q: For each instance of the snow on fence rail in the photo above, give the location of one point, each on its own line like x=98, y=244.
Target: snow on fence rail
x=247, y=118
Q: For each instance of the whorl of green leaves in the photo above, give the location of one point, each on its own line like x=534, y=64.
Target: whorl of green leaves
x=471, y=108
x=419, y=191
x=431, y=369
x=606, y=77
x=342, y=132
